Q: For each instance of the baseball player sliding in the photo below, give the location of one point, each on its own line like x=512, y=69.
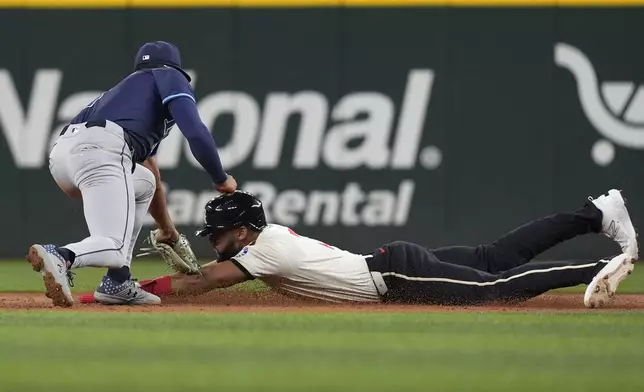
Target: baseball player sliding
x=106, y=157
x=403, y=272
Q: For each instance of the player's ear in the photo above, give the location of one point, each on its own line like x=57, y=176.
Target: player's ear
x=242, y=233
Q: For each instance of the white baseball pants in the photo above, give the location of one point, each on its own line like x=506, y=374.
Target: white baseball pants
x=97, y=162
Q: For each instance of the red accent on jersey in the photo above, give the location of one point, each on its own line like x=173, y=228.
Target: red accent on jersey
x=320, y=242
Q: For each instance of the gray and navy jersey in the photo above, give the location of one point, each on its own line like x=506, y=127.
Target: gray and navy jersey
x=139, y=105
x=146, y=104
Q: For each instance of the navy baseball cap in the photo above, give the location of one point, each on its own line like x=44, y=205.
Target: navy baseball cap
x=159, y=53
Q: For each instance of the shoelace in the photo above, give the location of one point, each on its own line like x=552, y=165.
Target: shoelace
x=70, y=278
x=135, y=282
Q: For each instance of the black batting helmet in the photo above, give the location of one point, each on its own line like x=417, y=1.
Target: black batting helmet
x=231, y=210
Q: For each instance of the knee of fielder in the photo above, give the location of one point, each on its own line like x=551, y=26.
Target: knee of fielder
x=116, y=257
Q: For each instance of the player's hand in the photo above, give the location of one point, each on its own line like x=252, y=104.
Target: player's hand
x=229, y=186
x=168, y=236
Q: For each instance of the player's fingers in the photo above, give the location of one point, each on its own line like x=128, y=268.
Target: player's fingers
x=225, y=189
x=233, y=184
x=229, y=186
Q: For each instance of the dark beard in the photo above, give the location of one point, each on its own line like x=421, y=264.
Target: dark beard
x=228, y=253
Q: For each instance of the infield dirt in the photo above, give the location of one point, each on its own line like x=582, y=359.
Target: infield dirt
x=254, y=302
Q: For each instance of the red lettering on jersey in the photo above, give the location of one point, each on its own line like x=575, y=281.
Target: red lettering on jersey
x=320, y=242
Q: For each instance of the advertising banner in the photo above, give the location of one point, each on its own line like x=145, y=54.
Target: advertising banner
x=355, y=125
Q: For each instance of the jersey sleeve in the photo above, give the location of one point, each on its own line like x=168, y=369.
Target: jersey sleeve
x=263, y=260
x=172, y=85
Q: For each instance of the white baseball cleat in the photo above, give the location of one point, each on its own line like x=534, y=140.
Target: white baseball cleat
x=53, y=268
x=127, y=293
x=604, y=285
x=616, y=222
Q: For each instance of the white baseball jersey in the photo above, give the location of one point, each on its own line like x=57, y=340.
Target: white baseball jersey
x=300, y=265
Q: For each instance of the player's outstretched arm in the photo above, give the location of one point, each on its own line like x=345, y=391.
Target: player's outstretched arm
x=213, y=276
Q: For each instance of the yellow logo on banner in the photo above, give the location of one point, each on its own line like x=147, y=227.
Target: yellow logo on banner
x=308, y=3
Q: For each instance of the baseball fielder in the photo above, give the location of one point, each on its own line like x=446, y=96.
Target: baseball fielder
x=106, y=157
x=404, y=272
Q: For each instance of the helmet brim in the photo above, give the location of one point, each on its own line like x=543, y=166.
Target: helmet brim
x=212, y=232
x=204, y=231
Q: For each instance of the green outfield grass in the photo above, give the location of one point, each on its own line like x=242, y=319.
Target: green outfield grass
x=50, y=350
x=17, y=275
x=69, y=351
